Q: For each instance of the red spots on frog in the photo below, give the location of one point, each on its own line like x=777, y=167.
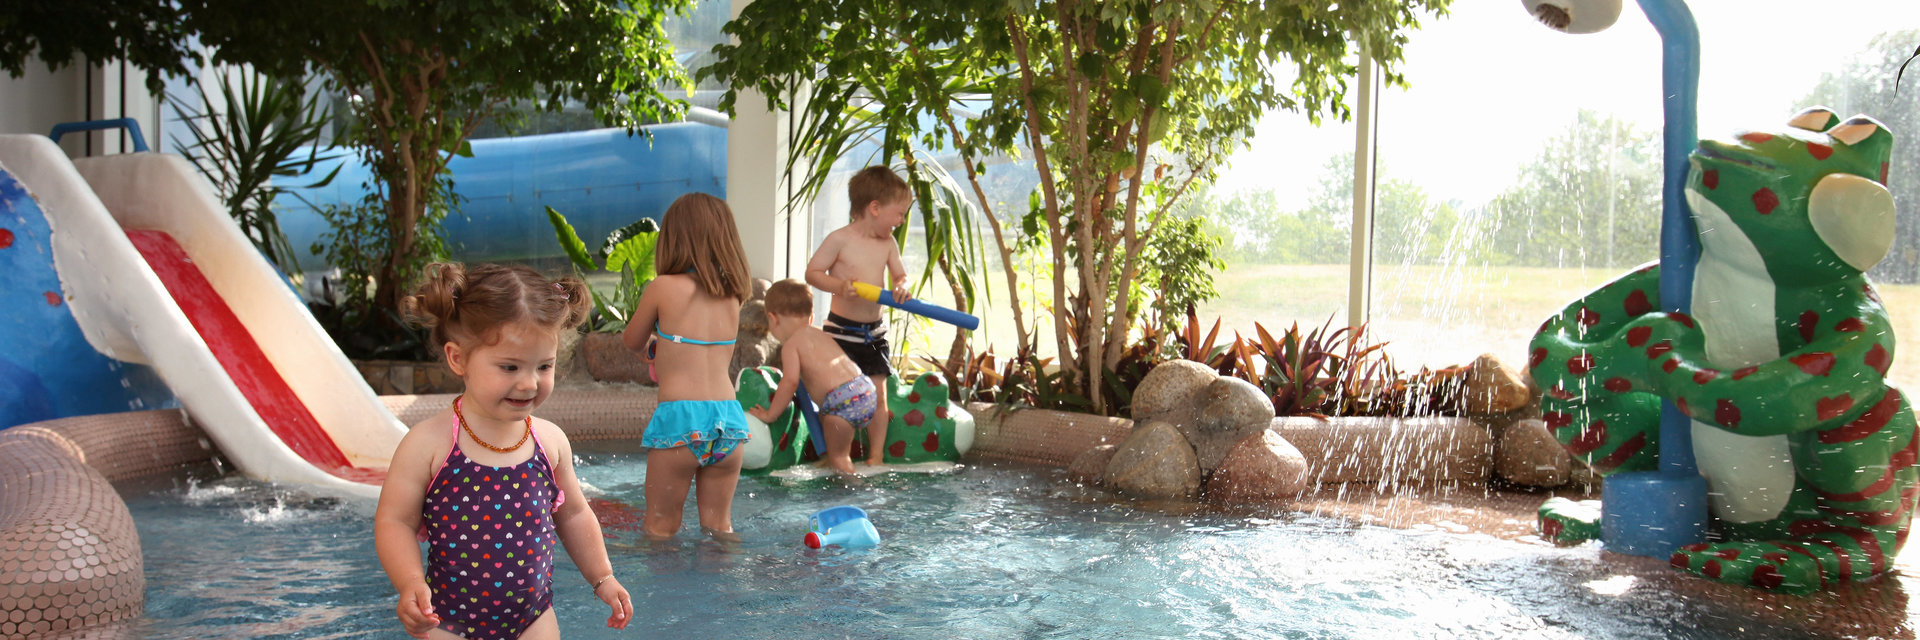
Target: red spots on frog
x=898, y=449
x=1696, y=547
x=1809, y=323
x=1756, y=137
x=1670, y=365
x=1638, y=336
x=1659, y=349
x=1637, y=303
x=1679, y=561
x=1591, y=437
x=53, y=298
x=6, y=239
x=1539, y=356
x=933, y=381
x=1764, y=201
x=1819, y=151
x=1559, y=393
x=914, y=418
x=1588, y=317
x=932, y=443
x=913, y=398
x=1704, y=376
x=1849, y=325
x=1579, y=365
x=1711, y=178
x=1727, y=554
x=1725, y=413
x=1767, y=576
x=1556, y=419
x=1682, y=319
x=1551, y=528
x=1871, y=293
x=1830, y=408
x=1617, y=385
x=1681, y=404
x=1879, y=359
x=1883, y=174
x=940, y=412
x=1743, y=372
x=1544, y=325
x=786, y=440
x=1818, y=363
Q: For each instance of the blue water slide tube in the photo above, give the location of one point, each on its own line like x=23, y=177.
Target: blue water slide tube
x=600, y=180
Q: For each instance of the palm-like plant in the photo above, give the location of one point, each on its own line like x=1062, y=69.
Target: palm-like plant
x=256, y=129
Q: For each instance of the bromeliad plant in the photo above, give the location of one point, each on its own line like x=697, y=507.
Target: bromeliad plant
x=627, y=251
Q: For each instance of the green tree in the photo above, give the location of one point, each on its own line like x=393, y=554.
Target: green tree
x=1123, y=104
x=1866, y=85
x=1592, y=197
x=422, y=76
x=146, y=33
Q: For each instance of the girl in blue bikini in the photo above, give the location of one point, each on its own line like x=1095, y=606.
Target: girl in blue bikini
x=689, y=315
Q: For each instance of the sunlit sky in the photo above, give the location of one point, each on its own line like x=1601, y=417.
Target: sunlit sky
x=1490, y=86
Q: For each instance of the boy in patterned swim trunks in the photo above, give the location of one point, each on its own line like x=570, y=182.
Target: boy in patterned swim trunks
x=864, y=251
x=810, y=355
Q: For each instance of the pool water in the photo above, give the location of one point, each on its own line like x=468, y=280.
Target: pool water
x=985, y=552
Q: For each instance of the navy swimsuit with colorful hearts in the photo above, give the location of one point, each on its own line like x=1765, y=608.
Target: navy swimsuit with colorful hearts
x=490, y=541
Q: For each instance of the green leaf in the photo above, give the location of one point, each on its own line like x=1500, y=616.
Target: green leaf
x=570, y=242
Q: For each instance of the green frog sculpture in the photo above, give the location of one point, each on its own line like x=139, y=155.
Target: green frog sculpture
x=926, y=426
x=1807, y=448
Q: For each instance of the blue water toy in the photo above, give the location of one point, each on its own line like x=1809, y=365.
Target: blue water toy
x=960, y=319
x=846, y=526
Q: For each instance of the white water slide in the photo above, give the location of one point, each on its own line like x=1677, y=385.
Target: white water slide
x=157, y=273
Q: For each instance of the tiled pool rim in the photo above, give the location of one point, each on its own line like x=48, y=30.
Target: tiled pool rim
x=70, y=555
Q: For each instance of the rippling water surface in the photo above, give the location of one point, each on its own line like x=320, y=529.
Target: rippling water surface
x=993, y=552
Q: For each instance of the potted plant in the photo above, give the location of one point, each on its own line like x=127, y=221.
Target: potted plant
x=628, y=253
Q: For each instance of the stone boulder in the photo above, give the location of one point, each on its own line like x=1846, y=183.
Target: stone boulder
x=1091, y=464
x=1263, y=466
x=1528, y=455
x=1225, y=412
x=1169, y=388
x=755, y=346
x=1492, y=387
x=1154, y=462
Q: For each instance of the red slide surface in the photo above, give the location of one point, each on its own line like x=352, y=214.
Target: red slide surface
x=242, y=358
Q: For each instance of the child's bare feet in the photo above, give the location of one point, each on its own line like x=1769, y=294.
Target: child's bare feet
x=875, y=462
x=840, y=466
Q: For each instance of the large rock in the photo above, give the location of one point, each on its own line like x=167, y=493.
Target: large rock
x=754, y=346
x=1169, y=387
x=1226, y=412
x=1492, y=387
x=1263, y=466
x=1154, y=462
x=1091, y=464
x=1528, y=455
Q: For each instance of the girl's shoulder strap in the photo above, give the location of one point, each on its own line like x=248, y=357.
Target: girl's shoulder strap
x=559, y=495
x=421, y=534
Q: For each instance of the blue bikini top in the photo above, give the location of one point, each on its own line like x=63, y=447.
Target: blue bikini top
x=699, y=343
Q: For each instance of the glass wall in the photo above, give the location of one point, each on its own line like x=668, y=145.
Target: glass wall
x=1523, y=166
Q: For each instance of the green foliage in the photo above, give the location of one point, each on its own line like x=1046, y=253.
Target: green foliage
x=147, y=34
x=357, y=244
x=1592, y=197
x=254, y=133
x=1179, y=265
x=627, y=251
x=422, y=76
x=1109, y=98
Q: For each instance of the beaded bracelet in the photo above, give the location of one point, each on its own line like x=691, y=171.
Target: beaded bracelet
x=596, y=585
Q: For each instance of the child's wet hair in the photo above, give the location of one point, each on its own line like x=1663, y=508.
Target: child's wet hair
x=877, y=183
x=467, y=305
x=698, y=238
x=790, y=297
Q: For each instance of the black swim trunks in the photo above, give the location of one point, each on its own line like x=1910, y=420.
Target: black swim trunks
x=864, y=342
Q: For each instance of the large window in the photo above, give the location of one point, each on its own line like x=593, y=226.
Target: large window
x=1523, y=167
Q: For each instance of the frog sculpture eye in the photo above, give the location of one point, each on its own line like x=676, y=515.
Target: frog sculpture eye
x=1854, y=131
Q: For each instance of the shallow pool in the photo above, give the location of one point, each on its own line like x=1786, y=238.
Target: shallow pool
x=986, y=552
